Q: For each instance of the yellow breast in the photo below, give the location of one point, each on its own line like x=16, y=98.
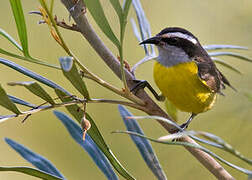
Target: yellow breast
x=182, y=86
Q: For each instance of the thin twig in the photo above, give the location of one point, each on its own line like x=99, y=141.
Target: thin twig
x=76, y=101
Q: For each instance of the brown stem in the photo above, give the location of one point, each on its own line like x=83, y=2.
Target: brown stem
x=150, y=107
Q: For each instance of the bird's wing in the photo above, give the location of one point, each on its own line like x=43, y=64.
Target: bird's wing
x=208, y=72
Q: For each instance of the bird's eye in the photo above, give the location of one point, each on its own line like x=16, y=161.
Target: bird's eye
x=173, y=40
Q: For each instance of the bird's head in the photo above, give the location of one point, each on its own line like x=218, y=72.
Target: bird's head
x=175, y=45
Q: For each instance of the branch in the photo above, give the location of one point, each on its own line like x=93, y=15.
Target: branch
x=43, y=107
x=150, y=107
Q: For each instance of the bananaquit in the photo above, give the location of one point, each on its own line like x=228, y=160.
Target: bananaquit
x=184, y=72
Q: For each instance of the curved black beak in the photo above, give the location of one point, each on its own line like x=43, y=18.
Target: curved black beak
x=153, y=40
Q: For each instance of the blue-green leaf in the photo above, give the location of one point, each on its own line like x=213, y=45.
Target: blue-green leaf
x=35, y=159
x=6, y=102
x=71, y=73
x=21, y=102
x=6, y=117
x=32, y=75
x=144, y=26
x=98, y=157
x=142, y=144
x=20, y=23
x=243, y=170
x=30, y=59
x=236, y=55
x=223, y=46
x=145, y=33
x=7, y=36
x=95, y=9
x=94, y=134
x=36, y=89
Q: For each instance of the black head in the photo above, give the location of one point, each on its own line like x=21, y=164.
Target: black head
x=178, y=37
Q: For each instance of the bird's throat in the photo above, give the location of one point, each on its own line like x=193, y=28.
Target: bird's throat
x=171, y=56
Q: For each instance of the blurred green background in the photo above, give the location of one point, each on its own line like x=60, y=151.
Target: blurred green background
x=213, y=22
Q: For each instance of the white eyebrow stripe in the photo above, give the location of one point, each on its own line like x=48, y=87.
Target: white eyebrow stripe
x=181, y=35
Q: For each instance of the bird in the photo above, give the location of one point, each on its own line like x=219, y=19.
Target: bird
x=184, y=73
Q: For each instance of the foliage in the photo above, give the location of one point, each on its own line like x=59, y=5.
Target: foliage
x=77, y=73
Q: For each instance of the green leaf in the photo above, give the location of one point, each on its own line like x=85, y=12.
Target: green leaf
x=6, y=102
x=72, y=74
x=223, y=63
x=95, y=9
x=17, y=11
x=117, y=6
x=123, y=22
x=36, y=89
x=95, y=135
x=126, y=7
x=31, y=172
x=73, y=109
x=9, y=38
x=171, y=109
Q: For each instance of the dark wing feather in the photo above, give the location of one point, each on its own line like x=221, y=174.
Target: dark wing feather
x=208, y=72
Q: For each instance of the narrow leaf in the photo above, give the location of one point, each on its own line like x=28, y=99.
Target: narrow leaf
x=21, y=102
x=32, y=172
x=168, y=121
x=72, y=74
x=95, y=9
x=17, y=11
x=126, y=7
x=117, y=6
x=135, y=30
x=36, y=89
x=142, y=144
x=227, y=147
x=6, y=102
x=72, y=109
x=32, y=75
x=144, y=60
x=243, y=170
x=95, y=134
x=223, y=46
x=144, y=25
x=9, y=38
x=236, y=55
x=145, y=33
x=98, y=157
x=29, y=59
x=35, y=159
x=223, y=63
x=6, y=117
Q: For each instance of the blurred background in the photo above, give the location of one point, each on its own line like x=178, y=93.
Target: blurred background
x=213, y=22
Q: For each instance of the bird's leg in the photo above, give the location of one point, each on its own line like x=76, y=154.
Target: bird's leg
x=141, y=84
x=186, y=124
